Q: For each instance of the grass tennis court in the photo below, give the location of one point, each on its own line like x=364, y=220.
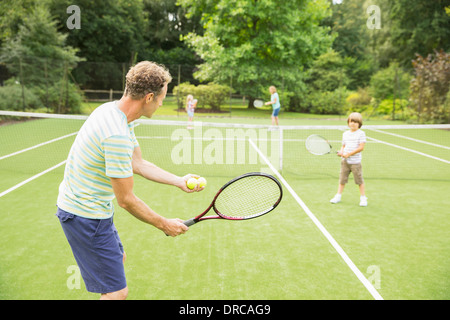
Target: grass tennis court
x=400, y=242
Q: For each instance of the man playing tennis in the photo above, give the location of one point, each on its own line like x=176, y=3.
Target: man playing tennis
x=99, y=168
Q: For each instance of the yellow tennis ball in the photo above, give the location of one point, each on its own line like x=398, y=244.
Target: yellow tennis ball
x=201, y=182
x=191, y=183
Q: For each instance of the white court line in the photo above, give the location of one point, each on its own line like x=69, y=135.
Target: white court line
x=324, y=231
x=37, y=146
x=31, y=179
x=410, y=150
x=412, y=139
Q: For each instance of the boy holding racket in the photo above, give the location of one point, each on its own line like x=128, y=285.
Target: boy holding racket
x=99, y=168
x=353, y=142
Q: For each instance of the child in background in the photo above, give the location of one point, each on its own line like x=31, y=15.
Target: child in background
x=191, y=104
x=276, y=106
x=353, y=142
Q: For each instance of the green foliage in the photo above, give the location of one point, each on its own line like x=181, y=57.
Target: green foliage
x=396, y=109
x=326, y=82
x=61, y=97
x=12, y=13
x=38, y=51
x=390, y=82
x=327, y=72
x=430, y=87
x=182, y=91
x=309, y=49
x=165, y=23
x=255, y=44
x=13, y=98
x=111, y=30
x=212, y=94
x=39, y=59
x=328, y=102
x=359, y=98
x=417, y=27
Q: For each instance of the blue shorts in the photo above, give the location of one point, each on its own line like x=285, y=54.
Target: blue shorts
x=276, y=112
x=190, y=114
x=97, y=249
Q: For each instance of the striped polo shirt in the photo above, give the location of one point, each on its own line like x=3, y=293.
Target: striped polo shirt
x=351, y=141
x=103, y=149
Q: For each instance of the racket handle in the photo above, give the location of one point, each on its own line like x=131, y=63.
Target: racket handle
x=190, y=222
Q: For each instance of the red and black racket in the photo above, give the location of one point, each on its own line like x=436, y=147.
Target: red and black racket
x=248, y=196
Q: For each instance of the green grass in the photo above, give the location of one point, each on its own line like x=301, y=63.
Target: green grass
x=403, y=232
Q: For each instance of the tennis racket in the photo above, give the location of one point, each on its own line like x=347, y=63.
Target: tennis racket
x=258, y=103
x=248, y=196
x=318, y=145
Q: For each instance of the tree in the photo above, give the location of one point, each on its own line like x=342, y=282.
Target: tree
x=418, y=27
x=12, y=13
x=37, y=43
x=327, y=80
x=110, y=39
x=328, y=72
x=111, y=30
x=430, y=87
x=256, y=43
x=40, y=60
x=166, y=22
x=356, y=43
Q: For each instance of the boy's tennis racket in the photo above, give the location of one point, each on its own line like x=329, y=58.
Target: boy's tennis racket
x=248, y=196
x=318, y=145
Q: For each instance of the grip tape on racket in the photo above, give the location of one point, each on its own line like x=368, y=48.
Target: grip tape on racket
x=190, y=222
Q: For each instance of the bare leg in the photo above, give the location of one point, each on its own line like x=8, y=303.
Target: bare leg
x=362, y=189
x=341, y=188
x=117, y=295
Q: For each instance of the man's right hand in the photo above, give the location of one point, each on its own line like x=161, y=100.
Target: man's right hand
x=174, y=227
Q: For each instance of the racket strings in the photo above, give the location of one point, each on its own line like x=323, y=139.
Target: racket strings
x=317, y=145
x=248, y=197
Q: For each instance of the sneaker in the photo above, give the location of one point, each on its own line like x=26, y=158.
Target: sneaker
x=363, y=201
x=336, y=199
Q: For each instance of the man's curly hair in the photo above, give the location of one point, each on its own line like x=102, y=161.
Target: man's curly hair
x=144, y=78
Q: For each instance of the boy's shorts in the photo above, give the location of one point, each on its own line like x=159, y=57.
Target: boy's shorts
x=346, y=168
x=97, y=249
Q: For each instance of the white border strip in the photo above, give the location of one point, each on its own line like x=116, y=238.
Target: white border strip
x=319, y=225
x=31, y=179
